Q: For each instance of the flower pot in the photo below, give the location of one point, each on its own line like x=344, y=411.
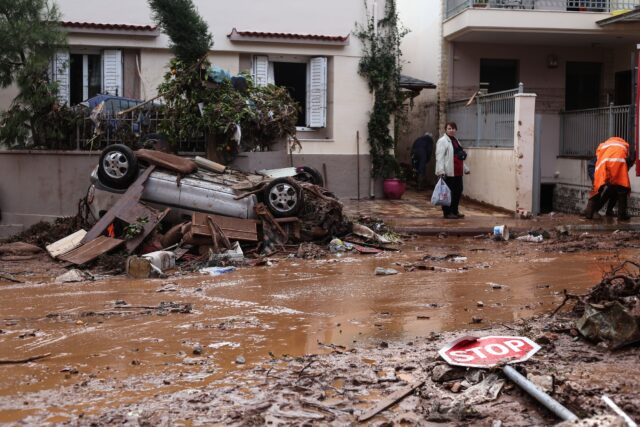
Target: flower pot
x=393, y=188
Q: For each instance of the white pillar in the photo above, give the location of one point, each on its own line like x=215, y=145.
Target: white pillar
x=523, y=148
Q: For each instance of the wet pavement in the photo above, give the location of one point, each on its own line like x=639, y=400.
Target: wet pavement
x=111, y=341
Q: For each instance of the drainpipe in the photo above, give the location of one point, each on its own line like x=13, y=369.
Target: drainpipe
x=372, y=193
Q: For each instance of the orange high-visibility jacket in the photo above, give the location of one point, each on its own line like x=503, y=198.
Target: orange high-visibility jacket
x=611, y=167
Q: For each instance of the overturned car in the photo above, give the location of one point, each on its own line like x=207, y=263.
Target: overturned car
x=188, y=186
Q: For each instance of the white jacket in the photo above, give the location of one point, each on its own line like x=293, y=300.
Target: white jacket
x=444, y=157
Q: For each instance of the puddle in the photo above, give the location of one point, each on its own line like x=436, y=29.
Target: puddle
x=292, y=307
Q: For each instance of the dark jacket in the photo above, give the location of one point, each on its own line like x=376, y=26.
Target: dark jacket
x=421, y=153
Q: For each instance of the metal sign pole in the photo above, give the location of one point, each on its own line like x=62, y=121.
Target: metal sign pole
x=549, y=402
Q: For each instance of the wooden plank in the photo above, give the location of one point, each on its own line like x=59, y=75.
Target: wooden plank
x=66, y=244
x=125, y=202
x=91, y=250
x=233, y=228
x=391, y=400
x=154, y=218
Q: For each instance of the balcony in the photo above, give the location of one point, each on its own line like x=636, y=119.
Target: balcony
x=539, y=22
x=454, y=7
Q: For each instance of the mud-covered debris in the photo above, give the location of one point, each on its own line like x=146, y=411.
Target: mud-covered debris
x=495, y=285
x=19, y=248
x=73, y=275
x=480, y=304
x=443, y=373
x=543, y=382
x=240, y=360
x=476, y=319
x=310, y=251
x=595, y=421
x=381, y=271
x=197, y=349
x=168, y=287
x=609, y=322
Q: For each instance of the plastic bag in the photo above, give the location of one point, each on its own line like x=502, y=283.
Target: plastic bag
x=441, y=194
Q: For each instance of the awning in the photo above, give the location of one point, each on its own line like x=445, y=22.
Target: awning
x=411, y=83
x=630, y=16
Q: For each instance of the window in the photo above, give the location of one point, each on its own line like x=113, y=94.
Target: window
x=499, y=74
x=85, y=77
x=306, y=81
x=81, y=76
x=582, y=85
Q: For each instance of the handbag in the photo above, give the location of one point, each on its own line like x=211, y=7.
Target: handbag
x=441, y=194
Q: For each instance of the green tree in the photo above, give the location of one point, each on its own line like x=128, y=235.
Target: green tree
x=30, y=34
x=189, y=33
x=380, y=64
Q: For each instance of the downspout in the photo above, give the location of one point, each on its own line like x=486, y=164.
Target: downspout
x=372, y=193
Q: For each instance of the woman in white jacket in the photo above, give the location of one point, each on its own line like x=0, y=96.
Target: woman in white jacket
x=450, y=166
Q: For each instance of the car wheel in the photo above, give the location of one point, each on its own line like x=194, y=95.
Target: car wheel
x=309, y=174
x=118, y=166
x=283, y=197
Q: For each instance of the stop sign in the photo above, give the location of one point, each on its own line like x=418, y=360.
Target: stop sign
x=486, y=352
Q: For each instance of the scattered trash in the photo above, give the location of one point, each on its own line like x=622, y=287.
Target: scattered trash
x=458, y=259
x=138, y=268
x=495, y=285
x=531, y=238
x=240, y=360
x=163, y=260
x=367, y=233
x=169, y=287
x=216, y=271
x=501, y=232
x=234, y=255
x=380, y=271
x=337, y=245
x=476, y=319
x=618, y=411
x=480, y=304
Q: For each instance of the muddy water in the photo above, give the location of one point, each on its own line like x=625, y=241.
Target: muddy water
x=102, y=354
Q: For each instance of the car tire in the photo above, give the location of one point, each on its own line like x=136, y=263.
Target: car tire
x=283, y=197
x=118, y=166
x=310, y=175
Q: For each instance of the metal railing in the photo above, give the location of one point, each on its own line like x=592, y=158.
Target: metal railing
x=453, y=7
x=582, y=130
x=129, y=129
x=486, y=122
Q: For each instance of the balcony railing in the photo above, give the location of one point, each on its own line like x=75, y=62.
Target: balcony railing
x=454, y=7
x=582, y=130
x=487, y=122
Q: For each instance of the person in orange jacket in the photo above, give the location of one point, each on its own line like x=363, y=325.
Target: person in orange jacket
x=611, y=177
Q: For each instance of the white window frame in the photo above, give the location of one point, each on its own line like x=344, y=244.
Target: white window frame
x=112, y=72
x=317, y=85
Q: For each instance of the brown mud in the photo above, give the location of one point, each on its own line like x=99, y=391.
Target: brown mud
x=236, y=348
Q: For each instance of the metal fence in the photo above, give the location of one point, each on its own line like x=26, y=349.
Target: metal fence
x=486, y=122
x=582, y=130
x=130, y=129
x=453, y=7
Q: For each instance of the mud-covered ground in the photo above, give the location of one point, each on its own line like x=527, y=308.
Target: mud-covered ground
x=310, y=341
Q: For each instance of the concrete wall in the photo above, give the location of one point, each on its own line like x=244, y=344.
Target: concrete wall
x=421, y=59
x=38, y=186
x=493, y=176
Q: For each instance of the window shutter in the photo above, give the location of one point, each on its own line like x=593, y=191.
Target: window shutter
x=317, y=93
x=261, y=70
x=59, y=73
x=112, y=72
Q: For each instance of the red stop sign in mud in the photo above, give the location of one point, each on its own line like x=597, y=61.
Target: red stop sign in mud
x=486, y=352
